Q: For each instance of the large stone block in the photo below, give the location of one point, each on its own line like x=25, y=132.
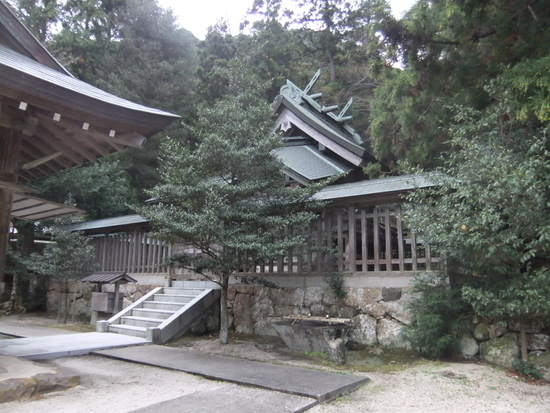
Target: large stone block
x=501, y=351
x=398, y=311
x=287, y=296
x=481, y=332
x=498, y=329
x=242, y=313
x=538, y=342
x=468, y=346
x=541, y=360
x=388, y=333
x=313, y=295
x=359, y=297
x=262, y=308
x=364, y=330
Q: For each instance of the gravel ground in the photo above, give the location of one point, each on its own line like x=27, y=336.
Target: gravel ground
x=118, y=387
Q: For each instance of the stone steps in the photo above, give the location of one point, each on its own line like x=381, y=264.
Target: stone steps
x=145, y=316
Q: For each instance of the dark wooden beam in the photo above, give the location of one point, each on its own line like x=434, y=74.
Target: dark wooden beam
x=10, y=144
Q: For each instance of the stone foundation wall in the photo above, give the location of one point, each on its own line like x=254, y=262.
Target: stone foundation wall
x=498, y=343
x=378, y=314
x=130, y=293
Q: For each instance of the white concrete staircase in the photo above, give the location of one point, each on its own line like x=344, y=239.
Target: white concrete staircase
x=164, y=313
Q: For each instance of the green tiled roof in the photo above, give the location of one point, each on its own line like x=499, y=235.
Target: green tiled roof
x=309, y=162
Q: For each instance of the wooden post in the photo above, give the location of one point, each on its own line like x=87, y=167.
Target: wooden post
x=10, y=144
x=117, y=295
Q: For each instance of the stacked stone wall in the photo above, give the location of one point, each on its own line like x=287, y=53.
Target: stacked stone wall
x=378, y=314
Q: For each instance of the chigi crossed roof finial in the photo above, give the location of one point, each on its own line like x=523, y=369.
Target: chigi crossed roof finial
x=300, y=95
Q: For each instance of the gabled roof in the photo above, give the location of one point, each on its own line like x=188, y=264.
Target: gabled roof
x=383, y=186
x=16, y=36
x=299, y=112
x=307, y=163
x=36, y=209
x=109, y=278
x=110, y=224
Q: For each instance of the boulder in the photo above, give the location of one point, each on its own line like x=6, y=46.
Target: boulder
x=376, y=310
x=501, y=351
x=399, y=311
x=337, y=350
x=262, y=308
x=358, y=297
x=498, y=329
x=391, y=294
x=541, y=360
x=388, y=333
x=538, y=342
x=364, y=330
x=530, y=328
x=242, y=313
x=313, y=295
x=467, y=346
x=318, y=310
x=287, y=296
x=481, y=332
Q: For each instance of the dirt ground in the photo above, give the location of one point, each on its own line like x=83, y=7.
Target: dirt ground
x=400, y=382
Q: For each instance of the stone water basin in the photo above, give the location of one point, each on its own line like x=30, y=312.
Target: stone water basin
x=310, y=335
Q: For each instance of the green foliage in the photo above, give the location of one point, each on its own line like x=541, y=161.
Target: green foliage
x=490, y=210
x=335, y=281
x=227, y=197
x=68, y=257
x=527, y=368
x=101, y=189
x=450, y=50
x=440, y=315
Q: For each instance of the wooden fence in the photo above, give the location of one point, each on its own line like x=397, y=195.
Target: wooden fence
x=369, y=239
x=131, y=252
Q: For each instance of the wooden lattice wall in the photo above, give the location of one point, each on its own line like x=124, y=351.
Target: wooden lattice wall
x=364, y=240
x=131, y=252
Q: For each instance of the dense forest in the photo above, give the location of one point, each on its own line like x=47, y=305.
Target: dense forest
x=406, y=76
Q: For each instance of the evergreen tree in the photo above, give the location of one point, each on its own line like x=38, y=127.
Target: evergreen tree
x=490, y=212
x=227, y=197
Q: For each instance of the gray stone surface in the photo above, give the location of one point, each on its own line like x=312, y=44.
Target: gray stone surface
x=244, y=400
x=389, y=334
x=467, y=346
x=538, y=342
x=51, y=347
x=541, y=360
x=498, y=329
x=319, y=385
x=364, y=330
x=481, y=332
x=15, y=329
x=501, y=351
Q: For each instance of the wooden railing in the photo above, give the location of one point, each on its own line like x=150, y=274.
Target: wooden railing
x=131, y=252
x=362, y=240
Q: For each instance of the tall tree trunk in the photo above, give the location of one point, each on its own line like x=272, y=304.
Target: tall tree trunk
x=224, y=322
x=523, y=342
x=331, y=66
x=74, y=305
x=65, y=300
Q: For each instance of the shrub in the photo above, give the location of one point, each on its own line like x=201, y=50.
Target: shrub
x=440, y=316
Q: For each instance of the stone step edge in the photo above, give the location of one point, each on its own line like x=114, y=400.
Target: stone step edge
x=127, y=327
x=155, y=310
x=163, y=302
x=136, y=318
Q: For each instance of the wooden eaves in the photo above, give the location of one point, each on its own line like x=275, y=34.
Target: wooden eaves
x=50, y=121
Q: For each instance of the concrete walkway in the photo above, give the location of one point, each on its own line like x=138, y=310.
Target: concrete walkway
x=19, y=330
x=319, y=385
x=51, y=347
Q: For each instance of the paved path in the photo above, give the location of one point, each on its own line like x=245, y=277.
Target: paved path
x=15, y=329
x=231, y=400
x=320, y=385
x=51, y=347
